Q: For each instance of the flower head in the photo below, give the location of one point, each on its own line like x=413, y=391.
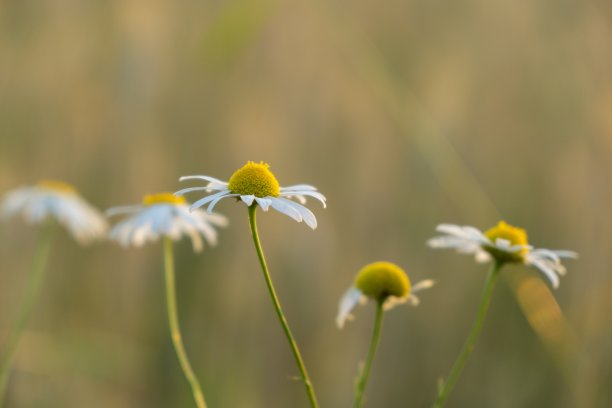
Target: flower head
x=59, y=201
x=383, y=282
x=505, y=244
x=165, y=215
x=254, y=183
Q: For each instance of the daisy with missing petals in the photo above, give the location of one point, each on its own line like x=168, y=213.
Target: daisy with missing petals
x=388, y=285
x=255, y=185
x=168, y=216
x=45, y=203
x=501, y=244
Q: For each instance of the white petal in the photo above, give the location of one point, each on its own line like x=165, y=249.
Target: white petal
x=482, y=256
x=307, y=215
x=413, y=300
x=248, y=199
x=282, y=207
x=206, y=178
x=208, y=199
x=393, y=301
x=453, y=229
x=303, y=193
x=264, y=203
x=548, y=272
x=298, y=187
x=189, y=190
x=422, y=285
x=349, y=300
x=214, y=202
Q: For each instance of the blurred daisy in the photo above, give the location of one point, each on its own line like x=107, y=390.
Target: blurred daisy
x=47, y=200
x=56, y=200
x=505, y=244
x=255, y=183
x=502, y=244
x=383, y=282
x=165, y=215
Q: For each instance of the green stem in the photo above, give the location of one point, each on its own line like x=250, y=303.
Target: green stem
x=363, y=378
x=296, y=352
x=485, y=300
x=34, y=284
x=175, y=331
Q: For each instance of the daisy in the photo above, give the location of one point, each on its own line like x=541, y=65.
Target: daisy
x=503, y=243
x=165, y=215
x=380, y=281
x=47, y=200
x=168, y=216
x=59, y=201
x=256, y=186
x=255, y=183
x=388, y=285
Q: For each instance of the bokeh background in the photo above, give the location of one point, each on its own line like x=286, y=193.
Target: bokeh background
x=404, y=114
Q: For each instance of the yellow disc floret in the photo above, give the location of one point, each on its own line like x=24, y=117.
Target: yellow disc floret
x=57, y=186
x=254, y=179
x=162, y=198
x=514, y=235
x=380, y=280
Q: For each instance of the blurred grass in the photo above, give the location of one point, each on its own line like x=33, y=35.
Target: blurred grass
x=405, y=114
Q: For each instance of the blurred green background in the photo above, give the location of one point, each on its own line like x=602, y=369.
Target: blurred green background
x=405, y=114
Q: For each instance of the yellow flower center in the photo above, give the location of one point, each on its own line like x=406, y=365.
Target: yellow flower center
x=514, y=235
x=379, y=280
x=254, y=179
x=162, y=198
x=57, y=186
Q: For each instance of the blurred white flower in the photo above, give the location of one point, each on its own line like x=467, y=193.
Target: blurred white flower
x=59, y=201
x=504, y=243
x=255, y=183
x=165, y=215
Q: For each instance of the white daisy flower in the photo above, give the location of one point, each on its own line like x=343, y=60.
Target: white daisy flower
x=504, y=243
x=383, y=282
x=255, y=183
x=165, y=215
x=59, y=201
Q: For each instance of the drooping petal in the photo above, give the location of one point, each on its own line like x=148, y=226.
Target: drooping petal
x=393, y=301
x=284, y=208
x=307, y=215
x=349, y=300
x=248, y=199
x=202, y=201
x=548, y=271
x=189, y=190
x=264, y=203
x=214, y=202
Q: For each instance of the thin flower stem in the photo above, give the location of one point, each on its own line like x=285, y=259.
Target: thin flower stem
x=296, y=352
x=363, y=377
x=175, y=331
x=485, y=300
x=34, y=284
